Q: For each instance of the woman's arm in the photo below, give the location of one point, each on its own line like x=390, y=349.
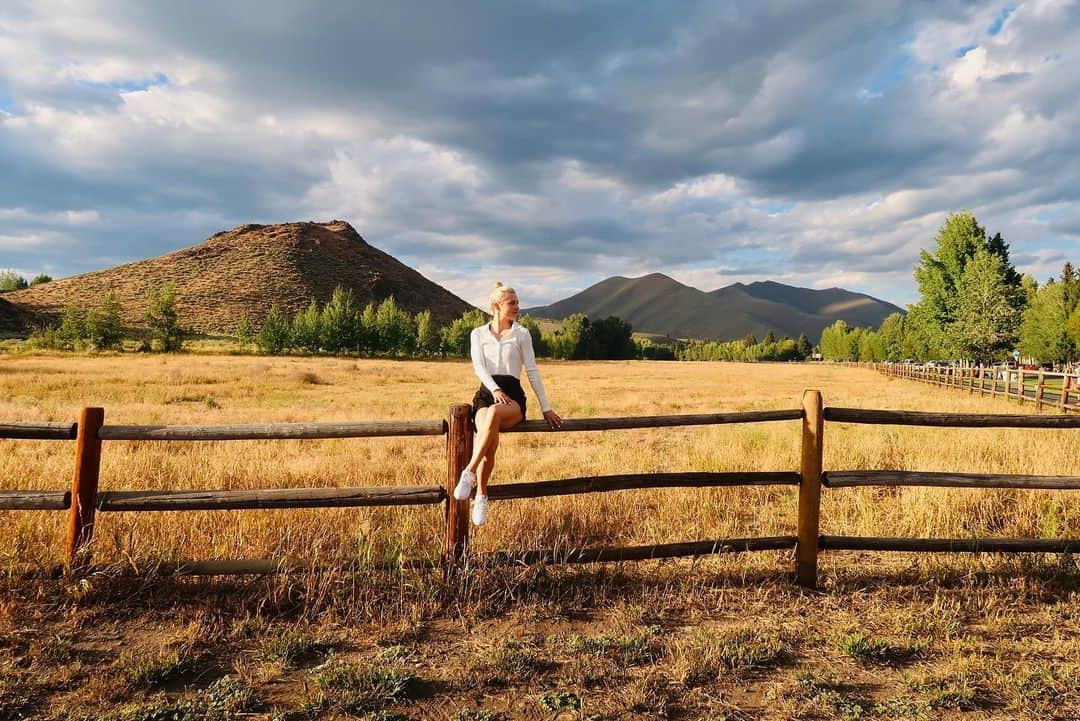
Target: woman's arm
x=477, y=353
x=528, y=359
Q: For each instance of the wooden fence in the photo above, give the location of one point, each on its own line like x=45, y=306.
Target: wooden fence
x=1060, y=391
x=85, y=499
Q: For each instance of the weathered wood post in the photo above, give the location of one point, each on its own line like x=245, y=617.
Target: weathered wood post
x=1020, y=385
x=1064, y=392
x=84, y=487
x=1039, y=388
x=459, y=448
x=813, y=428
x=1008, y=381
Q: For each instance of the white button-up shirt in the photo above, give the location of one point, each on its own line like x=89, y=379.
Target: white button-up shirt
x=494, y=356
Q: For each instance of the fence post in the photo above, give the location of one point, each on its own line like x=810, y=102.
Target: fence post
x=1020, y=385
x=1039, y=387
x=1064, y=391
x=1008, y=381
x=813, y=428
x=84, y=487
x=459, y=448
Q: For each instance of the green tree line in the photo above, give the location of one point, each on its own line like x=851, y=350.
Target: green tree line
x=973, y=305
x=749, y=349
x=340, y=326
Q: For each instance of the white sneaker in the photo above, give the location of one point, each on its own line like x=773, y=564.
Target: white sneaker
x=464, y=485
x=479, y=510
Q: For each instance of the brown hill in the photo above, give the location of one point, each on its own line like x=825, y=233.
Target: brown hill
x=245, y=270
x=661, y=305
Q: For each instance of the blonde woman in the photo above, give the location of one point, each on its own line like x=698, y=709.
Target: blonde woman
x=499, y=350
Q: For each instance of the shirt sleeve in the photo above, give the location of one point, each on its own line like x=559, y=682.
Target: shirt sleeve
x=478, y=364
x=528, y=359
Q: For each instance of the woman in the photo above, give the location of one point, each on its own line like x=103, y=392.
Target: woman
x=499, y=350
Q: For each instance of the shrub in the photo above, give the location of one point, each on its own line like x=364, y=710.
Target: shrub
x=103, y=326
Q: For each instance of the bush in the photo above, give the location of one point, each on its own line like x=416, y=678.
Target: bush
x=10, y=280
x=103, y=326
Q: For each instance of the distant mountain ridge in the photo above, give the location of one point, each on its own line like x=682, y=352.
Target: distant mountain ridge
x=244, y=271
x=656, y=303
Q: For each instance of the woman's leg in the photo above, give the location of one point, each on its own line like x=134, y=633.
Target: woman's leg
x=487, y=465
x=489, y=421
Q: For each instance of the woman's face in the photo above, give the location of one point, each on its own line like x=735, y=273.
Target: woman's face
x=508, y=307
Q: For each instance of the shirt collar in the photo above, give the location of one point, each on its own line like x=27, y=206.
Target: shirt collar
x=513, y=327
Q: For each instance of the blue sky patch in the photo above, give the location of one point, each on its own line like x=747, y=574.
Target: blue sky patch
x=6, y=101
x=961, y=52
x=999, y=21
x=130, y=86
x=890, y=74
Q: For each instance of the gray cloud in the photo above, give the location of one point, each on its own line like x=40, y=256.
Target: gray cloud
x=820, y=143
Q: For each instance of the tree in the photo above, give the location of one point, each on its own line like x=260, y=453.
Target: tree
x=273, y=337
x=456, y=335
x=1072, y=328
x=933, y=320
x=338, y=321
x=571, y=341
x=986, y=313
x=163, y=320
x=307, y=328
x=72, y=326
x=10, y=280
x=610, y=338
x=892, y=333
x=39, y=279
x=103, y=325
x=835, y=342
x=1043, y=333
x=428, y=341
x=367, y=330
x=803, y=347
x=395, y=328
x=540, y=344
x=244, y=336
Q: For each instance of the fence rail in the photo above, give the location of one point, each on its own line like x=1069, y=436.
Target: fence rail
x=1042, y=388
x=84, y=499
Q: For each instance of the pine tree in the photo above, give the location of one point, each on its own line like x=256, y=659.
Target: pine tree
x=803, y=347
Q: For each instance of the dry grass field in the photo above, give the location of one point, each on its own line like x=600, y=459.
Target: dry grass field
x=887, y=636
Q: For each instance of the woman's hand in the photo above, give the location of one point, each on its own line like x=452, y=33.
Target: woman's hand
x=553, y=419
x=501, y=397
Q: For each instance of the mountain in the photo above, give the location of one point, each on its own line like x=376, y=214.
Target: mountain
x=658, y=304
x=244, y=270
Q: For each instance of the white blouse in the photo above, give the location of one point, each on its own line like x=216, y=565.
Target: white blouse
x=492, y=356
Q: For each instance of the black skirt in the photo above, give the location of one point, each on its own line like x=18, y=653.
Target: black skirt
x=509, y=385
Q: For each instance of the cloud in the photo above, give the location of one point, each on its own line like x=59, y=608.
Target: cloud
x=555, y=143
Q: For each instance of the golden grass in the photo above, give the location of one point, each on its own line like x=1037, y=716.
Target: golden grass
x=239, y=389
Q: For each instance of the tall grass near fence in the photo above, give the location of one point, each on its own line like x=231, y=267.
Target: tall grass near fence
x=241, y=390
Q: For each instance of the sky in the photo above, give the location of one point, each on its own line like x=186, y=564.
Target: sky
x=546, y=144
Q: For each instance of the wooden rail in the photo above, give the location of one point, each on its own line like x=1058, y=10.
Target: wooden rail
x=84, y=498
x=1060, y=391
